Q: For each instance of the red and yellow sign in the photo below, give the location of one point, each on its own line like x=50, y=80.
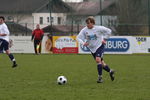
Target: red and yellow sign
x=65, y=44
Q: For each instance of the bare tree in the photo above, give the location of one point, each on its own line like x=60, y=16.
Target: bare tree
x=132, y=17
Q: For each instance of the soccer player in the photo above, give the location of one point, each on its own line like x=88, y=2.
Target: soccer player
x=37, y=35
x=95, y=37
x=4, y=40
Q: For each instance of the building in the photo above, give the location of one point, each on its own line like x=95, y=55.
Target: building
x=79, y=11
x=24, y=13
x=55, y=14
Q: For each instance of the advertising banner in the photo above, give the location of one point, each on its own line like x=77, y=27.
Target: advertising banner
x=141, y=44
x=114, y=45
x=47, y=44
x=65, y=44
x=69, y=44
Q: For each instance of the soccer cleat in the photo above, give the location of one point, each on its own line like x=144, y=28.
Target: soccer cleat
x=14, y=65
x=99, y=80
x=112, y=75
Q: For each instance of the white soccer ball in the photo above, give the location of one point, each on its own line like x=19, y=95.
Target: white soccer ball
x=61, y=80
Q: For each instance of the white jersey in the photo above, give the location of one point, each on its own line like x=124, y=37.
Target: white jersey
x=93, y=36
x=4, y=30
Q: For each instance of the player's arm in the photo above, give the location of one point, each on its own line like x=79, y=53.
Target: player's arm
x=5, y=31
x=106, y=33
x=33, y=33
x=3, y=34
x=81, y=38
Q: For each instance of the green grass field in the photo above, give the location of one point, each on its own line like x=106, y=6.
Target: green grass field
x=35, y=78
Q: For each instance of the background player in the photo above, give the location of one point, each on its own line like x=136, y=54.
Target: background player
x=94, y=37
x=4, y=40
x=37, y=35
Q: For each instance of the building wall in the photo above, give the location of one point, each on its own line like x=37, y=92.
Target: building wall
x=26, y=20
x=22, y=19
x=46, y=16
x=106, y=20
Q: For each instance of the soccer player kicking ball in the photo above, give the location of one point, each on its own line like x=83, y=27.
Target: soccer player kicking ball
x=4, y=40
x=94, y=37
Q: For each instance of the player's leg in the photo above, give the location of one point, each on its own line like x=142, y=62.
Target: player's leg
x=99, y=68
x=35, y=45
x=106, y=68
x=1, y=47
x=11, y=58
x=99, y=59
x=38, y=44
x=6, y=48
x=39, y=48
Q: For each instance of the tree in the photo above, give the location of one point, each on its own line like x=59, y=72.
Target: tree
x=132, y=17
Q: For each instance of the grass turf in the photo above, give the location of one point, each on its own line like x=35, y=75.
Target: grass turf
x=35, y=78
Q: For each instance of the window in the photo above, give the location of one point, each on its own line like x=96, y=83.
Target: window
x=41, y=20
x=48, y=19
x=59, y=20
x=10, y=18
x=52, y=19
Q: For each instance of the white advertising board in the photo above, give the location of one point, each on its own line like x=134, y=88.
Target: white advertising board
x=21, y=44
x=115, y=45
x=141, y=44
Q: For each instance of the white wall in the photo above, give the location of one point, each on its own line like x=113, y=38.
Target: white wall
x=36, y=17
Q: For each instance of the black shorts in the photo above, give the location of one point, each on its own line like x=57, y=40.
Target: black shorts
x=4, y=45
x=99, y=52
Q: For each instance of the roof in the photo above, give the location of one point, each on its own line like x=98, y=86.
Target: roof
x=63, y=28
x=58, y=6
x=20, y=6
x=30, y=6
x=90, y=7
x=17, y=28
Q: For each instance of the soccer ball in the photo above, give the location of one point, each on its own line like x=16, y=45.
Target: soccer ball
x=61, y=80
